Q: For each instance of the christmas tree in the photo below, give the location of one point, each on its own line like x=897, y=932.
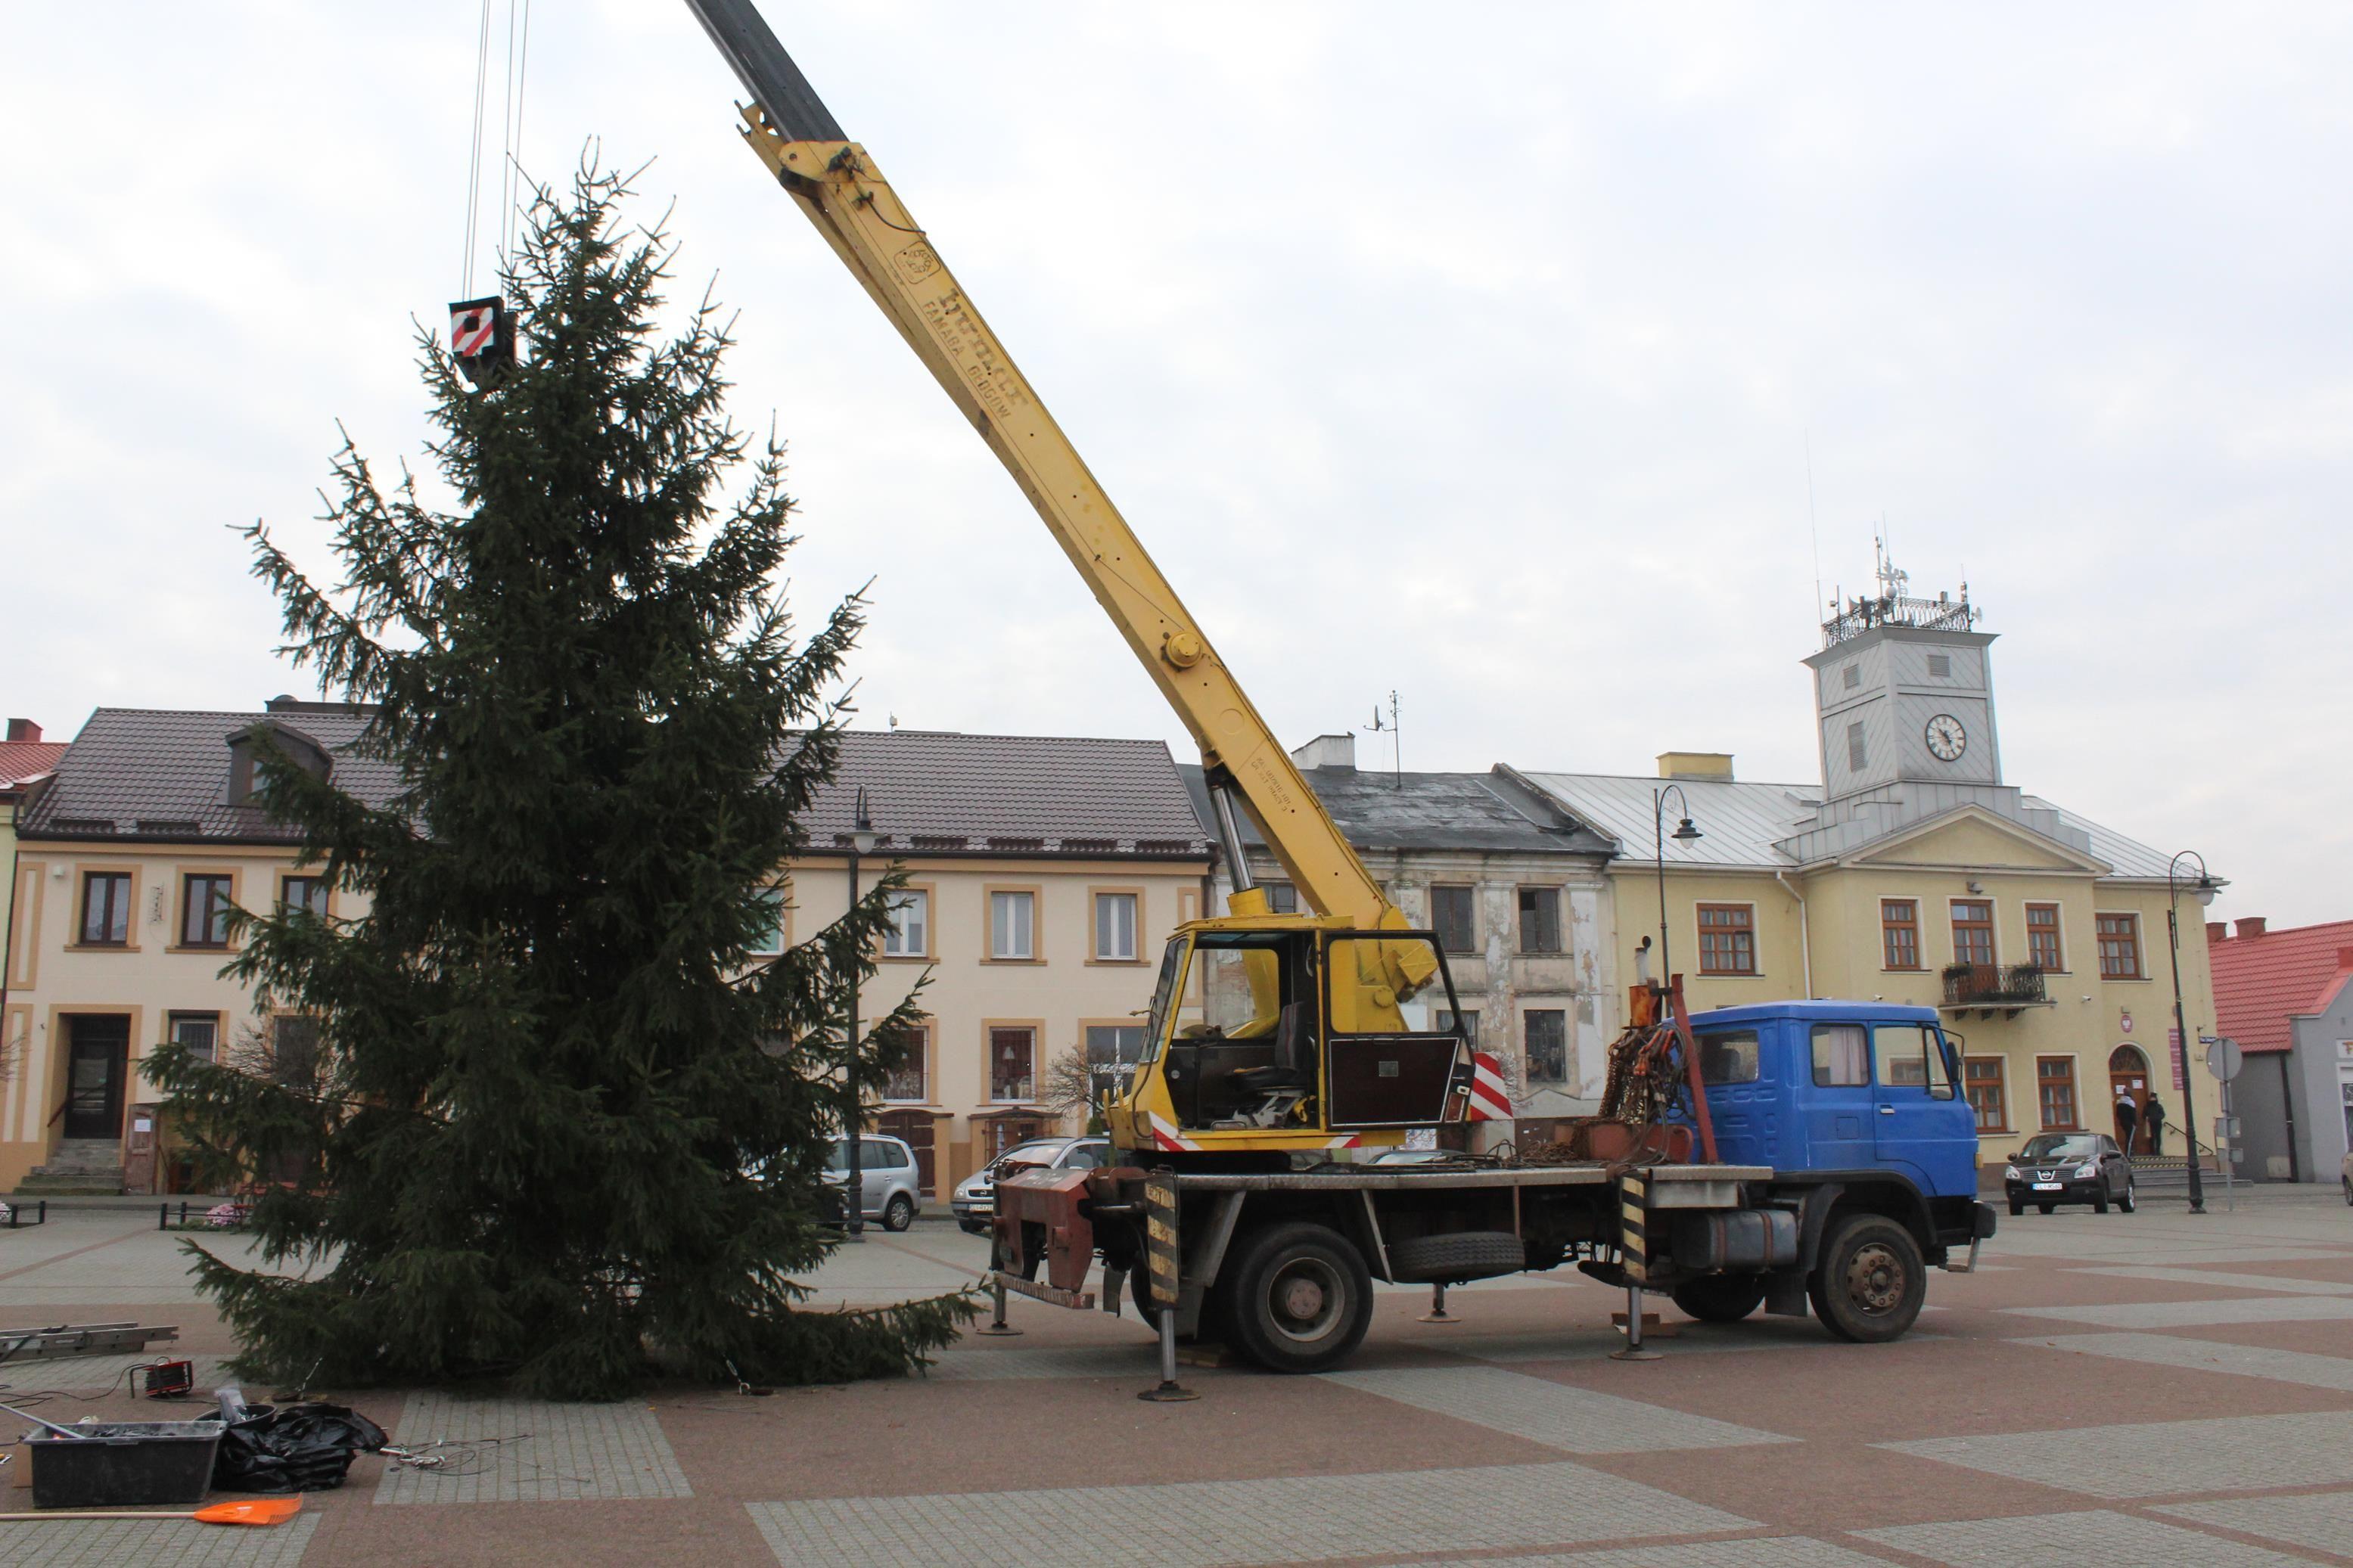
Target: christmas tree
x=560, y=1126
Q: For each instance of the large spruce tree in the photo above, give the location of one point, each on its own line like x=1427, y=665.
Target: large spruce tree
x=561, y=1127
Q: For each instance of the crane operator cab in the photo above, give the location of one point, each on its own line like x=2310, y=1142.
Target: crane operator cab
x=1274, y=1033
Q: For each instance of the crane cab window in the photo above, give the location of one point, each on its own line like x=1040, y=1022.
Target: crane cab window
x=1243, y=1047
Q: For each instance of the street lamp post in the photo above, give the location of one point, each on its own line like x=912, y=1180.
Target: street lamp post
x=863, y=840
x=2204, y=888
x=1684, y=833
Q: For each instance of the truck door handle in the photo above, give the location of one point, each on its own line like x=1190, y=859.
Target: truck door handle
x=1886, y=1111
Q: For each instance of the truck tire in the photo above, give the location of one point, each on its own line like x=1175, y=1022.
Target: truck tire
x=1451, y=1260
x=1871, y=1281
x=1296, y=1298
x=1720, y=1298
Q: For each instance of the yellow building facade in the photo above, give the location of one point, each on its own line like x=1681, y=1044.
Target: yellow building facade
x=1913, y=874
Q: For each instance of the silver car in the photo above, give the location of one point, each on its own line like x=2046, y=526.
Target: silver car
x=974, y=1204
x=889, y=1186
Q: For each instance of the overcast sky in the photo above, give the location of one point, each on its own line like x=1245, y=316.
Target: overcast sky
x=1478, y=361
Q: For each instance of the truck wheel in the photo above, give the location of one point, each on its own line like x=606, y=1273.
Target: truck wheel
x=1298, y=1298
x=1720, y=1298
x=1869, y=1282
x=1451, y=1260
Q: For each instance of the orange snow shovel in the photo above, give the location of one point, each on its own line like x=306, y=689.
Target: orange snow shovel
x=256, y=1511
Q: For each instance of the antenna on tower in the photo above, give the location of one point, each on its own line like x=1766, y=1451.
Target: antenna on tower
x=1397, y=738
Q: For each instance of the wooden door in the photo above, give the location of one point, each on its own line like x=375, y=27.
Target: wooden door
x=98, y=1060
x=915, y=1128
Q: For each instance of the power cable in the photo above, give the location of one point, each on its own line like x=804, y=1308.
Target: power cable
x=514, y=149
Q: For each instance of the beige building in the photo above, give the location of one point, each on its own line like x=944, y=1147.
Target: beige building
x=1914, y=874
x=1044, y=876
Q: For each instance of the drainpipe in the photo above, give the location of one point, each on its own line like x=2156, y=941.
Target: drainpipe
x=2287, y=1110
x=1805, y=938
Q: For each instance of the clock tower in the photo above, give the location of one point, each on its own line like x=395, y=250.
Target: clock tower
x=1903, y=692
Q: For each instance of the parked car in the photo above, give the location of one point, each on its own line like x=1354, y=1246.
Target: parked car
x=2057, y=1168
x=974, y=1202
x=888, y=1186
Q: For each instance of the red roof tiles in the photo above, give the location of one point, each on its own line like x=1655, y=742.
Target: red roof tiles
x=2260, y=980
x=22, y=759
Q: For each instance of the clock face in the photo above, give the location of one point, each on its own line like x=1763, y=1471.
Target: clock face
x=1946, y=739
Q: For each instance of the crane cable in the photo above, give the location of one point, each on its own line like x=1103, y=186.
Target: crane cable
x=511, y=181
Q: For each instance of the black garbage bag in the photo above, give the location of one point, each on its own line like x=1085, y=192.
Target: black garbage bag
x=305, y=1447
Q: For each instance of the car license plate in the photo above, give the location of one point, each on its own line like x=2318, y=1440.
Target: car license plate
x=2050, y=1186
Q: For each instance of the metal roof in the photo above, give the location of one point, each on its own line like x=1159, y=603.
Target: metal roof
x=1739, y=822
x=1386, y=811
x=2127, y=857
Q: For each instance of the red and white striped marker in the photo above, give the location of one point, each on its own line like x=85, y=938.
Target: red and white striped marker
x=472, y=329
x=1490, y=1100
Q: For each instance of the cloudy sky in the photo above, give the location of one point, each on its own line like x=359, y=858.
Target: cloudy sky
x=1481, y=362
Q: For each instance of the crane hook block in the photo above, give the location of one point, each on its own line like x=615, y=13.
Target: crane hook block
x=483, y=339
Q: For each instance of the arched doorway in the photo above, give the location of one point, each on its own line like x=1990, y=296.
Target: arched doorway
x=2128, y=1077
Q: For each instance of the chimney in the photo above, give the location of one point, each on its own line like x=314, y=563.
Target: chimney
x=23, y=730
x=1327, y=751
x=2217, y=930
x=1716, y=766
x=2250, y=925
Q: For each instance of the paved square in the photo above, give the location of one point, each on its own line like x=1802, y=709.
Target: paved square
x=1775, y=1552
x=2318, y=1521
x=1130, y=1361
x=2277, y=1282
x=2055, y=1538
x=2211, y=1355
x=157, y=1543
x=524, y=1451
x=2230, y=1453
x=2199, y=1314
x=1559, y=1415
x=1298, y=1519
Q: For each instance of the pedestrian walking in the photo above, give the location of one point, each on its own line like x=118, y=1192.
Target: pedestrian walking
x=2152, y=1116
x=2128, y=1116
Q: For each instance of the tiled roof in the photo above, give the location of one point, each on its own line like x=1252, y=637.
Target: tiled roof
x=144, y=773
x=22, y=759
x=1379, y=811
x=938, y=792
x=2260, y=980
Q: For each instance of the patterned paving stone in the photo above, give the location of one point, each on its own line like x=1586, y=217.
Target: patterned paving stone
x=2199, y=1314
x=1574, y=1420
x=1193, y=1524
x=2096, y=1537
x=2230, y=1453
x=548, y=1453
x=86, y=1373
x=2210, y=1355
x=179, y=1543
x=2318, y=1521
x=1776, y=1552
x=2275, y=1282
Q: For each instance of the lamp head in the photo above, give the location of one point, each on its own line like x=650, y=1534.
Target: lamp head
x=862, y=835
x=1685, y=833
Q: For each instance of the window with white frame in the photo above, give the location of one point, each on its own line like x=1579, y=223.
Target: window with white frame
x=910, y=934
x=770, y=937
x=1012, y=922
x=1116, y=927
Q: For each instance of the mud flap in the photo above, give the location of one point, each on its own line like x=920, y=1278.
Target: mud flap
x=1785, y=1293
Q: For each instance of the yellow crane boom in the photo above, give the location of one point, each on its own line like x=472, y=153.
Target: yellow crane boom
x=853, y=207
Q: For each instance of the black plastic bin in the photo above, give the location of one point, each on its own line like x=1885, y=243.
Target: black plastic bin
x=124, y=1464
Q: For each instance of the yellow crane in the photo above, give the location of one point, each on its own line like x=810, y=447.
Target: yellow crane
x=1268, y=1032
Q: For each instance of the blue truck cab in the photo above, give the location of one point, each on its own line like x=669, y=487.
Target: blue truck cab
x=1856, y=1108
x=1839, y=1085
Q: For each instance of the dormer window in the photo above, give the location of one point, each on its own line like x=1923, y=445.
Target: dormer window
x=245, y=777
